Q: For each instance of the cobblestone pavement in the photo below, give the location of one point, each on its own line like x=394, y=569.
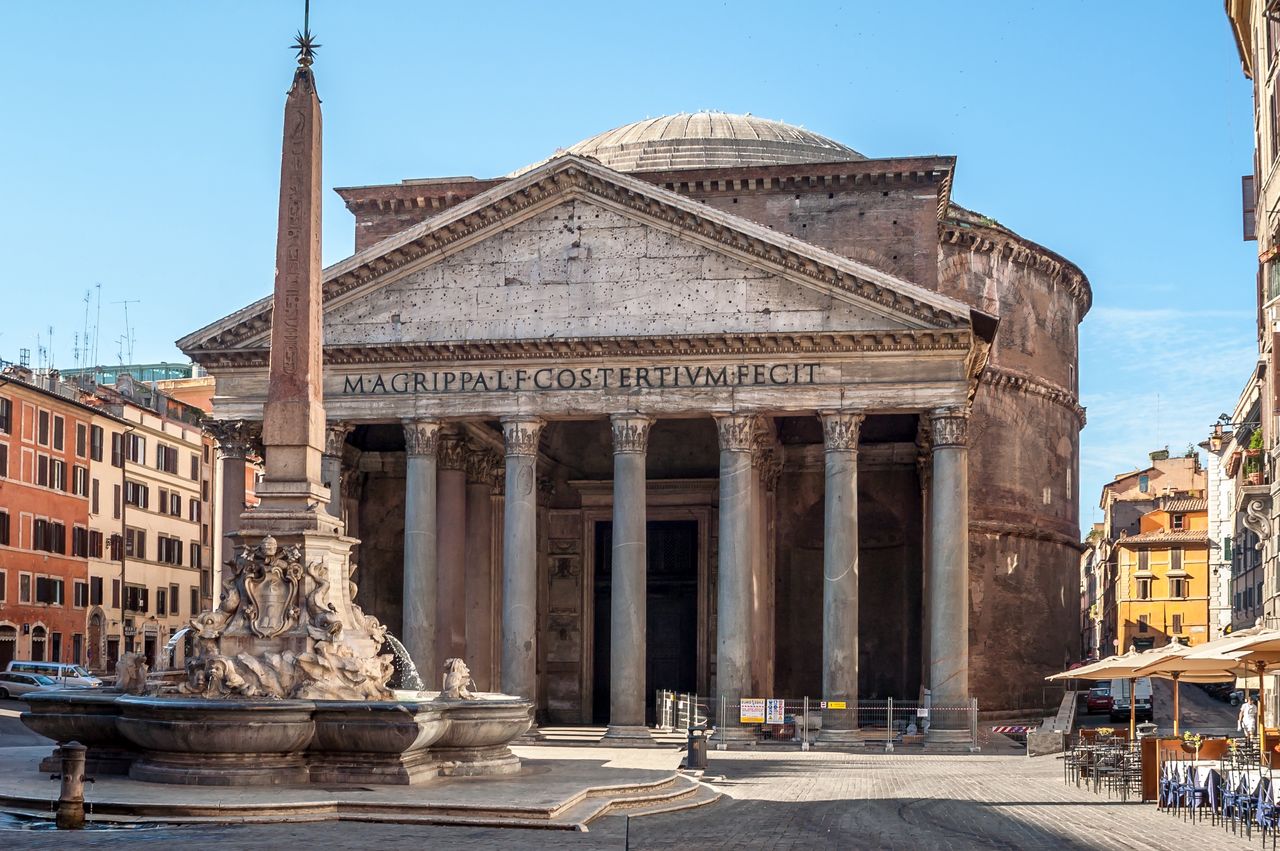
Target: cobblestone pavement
x=779, y=800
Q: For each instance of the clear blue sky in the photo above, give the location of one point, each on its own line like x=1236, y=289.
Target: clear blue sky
x=141, y=149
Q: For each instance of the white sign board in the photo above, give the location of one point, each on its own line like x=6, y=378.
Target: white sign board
x=751, y=710
x=774, y=711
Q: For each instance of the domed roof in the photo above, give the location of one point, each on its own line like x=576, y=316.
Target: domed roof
x=709, y=140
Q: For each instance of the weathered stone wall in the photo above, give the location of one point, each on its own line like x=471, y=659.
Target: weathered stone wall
x=1023, y=474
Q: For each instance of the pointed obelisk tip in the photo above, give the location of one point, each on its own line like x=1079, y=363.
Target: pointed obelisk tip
x=304, y=42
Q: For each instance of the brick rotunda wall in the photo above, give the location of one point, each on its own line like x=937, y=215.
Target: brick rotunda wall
x=1023, y=463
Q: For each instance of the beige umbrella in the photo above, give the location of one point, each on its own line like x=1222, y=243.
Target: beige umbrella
x=1257, y=648
x=1122, y=666
x=1176, y=662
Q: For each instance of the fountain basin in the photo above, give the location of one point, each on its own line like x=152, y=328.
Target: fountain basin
x=479, y=732
x=196, y=741
x=251, y=742
x=87, y=716
x=374, y=741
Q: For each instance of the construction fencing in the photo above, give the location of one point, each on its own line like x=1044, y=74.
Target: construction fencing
x=886, y=724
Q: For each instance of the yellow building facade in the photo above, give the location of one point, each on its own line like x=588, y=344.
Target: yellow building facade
x=1163, y=577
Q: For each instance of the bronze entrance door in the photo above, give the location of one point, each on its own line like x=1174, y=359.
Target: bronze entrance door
x=672, y=611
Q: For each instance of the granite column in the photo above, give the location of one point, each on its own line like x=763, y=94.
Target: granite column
x=736, y=434
x=520, y=558
x=840, y=430
x=948, y=577
x=628, y=613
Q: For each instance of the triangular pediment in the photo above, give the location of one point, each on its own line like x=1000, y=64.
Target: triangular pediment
x=573, y=249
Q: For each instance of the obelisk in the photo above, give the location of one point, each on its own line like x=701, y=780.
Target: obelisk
x=293, y=418
x=291, y=628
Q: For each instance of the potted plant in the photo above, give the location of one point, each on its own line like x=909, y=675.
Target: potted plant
x=1191, y=742
x=1253, y=459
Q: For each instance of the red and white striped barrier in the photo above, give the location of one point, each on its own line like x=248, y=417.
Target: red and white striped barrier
x=1015, y=729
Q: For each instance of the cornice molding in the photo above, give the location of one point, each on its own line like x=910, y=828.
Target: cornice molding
x=1016, y=530
x=569, y=348
x=1024, y=252
x=998, y=378
x=569, y=178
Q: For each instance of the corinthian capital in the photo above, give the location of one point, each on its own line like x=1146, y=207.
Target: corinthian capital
x=520, y=435
x=840, y=430
x=335, y=438
x=453, y=451
x=421, y=437
x=483, y=466
x=630, y=432
x=950, y=427
x=236, y=439
x=737, y=432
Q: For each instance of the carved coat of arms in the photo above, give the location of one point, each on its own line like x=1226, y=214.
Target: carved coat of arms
x=272, y=583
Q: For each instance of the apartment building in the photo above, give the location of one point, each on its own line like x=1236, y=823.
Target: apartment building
x=45, y=443
x=154, y=484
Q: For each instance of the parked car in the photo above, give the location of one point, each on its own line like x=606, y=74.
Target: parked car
x=65, y=674
x=20, y=685
x=1099, y=699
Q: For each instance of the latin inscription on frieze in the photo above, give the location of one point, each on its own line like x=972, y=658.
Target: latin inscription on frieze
x=517, y=380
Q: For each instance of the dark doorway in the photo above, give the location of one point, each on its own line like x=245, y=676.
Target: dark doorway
x=672, y=618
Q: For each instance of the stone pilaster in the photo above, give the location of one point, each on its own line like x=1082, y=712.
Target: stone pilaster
x=421, y=568
x=948, y=573
x=520, y=557
x=627, y=687
x=840, y=432
x=736, y=434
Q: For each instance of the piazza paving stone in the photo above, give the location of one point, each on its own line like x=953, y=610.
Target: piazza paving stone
x=778, y=800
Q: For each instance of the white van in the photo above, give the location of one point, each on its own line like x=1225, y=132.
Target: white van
x=1142, y=709
x=63, y=673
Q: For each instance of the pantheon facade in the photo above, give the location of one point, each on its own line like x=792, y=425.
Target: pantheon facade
x=707, y=403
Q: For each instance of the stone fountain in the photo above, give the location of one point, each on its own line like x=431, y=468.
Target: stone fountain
x=289, y=685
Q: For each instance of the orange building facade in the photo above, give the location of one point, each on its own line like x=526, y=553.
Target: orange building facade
x=46, y=441
x=1163, y=582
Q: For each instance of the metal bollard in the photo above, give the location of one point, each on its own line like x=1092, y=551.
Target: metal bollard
x=888, y=736
x=71, y=796
x=804, y=730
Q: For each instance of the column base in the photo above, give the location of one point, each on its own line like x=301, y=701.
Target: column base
x=734, y=735
x=949, y=741
x=840, y=738
x=628, y=734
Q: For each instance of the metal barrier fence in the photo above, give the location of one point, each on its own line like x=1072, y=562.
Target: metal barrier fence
x=886, y=724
